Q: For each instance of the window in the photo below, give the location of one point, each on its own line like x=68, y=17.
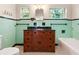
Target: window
x=58, y=13
x=24, y=13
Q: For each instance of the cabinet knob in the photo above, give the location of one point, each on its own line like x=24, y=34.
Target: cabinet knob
x=50, y=46
x=39, y=42
x=28, y=46
x=49, y=38
x=27, y=38
x=34, y=32
x=43, y=32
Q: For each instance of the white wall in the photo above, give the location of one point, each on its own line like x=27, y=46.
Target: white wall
x=8, y=10
x=72, y=9
x=46, y=9
x=75, y=11
x=18, y=6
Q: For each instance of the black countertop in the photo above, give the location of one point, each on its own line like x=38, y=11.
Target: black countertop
x=38, y=27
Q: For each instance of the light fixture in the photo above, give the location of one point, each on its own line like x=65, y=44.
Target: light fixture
x=39, y=6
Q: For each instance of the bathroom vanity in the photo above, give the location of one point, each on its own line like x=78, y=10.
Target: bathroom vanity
x=39, y=39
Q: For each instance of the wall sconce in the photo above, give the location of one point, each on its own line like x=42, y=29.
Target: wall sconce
x=39, y=6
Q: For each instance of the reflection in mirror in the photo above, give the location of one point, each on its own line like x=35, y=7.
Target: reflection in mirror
x=39, y=14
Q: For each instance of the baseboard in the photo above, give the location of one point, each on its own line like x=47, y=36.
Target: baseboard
x=56, y=44
x=17, y=44
x=23, y=44
x=14, y=45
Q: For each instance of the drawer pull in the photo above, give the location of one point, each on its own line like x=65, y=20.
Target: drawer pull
x=34, y=32
x=27, y=38
x=39, y=42
x=50, y=46
x=50, y=38
x=28, y=46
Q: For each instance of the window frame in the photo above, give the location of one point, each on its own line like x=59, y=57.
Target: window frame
x=51, y=14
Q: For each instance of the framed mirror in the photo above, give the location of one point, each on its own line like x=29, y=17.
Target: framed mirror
x=39, y=14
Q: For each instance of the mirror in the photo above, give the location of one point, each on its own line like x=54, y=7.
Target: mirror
x=39, y=14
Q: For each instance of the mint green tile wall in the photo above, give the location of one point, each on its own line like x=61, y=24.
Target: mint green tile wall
x=19, y=30
x=75, y=29
x=7, y=29
x=10, y=32
x=19, y=33
x=58, y=28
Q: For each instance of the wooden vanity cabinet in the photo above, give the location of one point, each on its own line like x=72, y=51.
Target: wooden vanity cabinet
x=39, y=41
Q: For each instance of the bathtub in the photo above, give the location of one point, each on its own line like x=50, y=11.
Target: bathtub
x=69, y=45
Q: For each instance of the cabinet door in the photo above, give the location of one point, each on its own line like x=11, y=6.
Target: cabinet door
x=28, y=40
x=41, y=41
x=36, y=41
x=46, y=40
x=52, y=41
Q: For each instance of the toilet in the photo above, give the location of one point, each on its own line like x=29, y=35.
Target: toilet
x=9, y=50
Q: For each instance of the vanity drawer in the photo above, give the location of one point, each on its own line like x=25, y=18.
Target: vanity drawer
x=28, y=32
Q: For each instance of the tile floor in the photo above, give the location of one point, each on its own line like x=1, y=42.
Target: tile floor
x=59, y=51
